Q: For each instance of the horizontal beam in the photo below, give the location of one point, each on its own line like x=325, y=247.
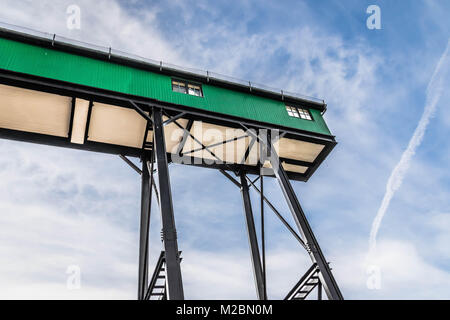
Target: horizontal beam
x=296, y=162
x=49, y=140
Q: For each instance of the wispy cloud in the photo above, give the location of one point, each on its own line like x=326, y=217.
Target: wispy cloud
x=434, y=91
x=72, y=209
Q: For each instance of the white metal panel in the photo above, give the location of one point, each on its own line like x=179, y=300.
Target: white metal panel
x=34, y=111
x=294, y=168
x=288, y=167
x=79, y=121
x=116, y=125
x=253, y=155
x=173, y=134
x=210, y=135
x=298, y=150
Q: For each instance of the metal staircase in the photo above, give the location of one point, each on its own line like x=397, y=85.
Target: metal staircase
x=307, y=283
x=157, y=287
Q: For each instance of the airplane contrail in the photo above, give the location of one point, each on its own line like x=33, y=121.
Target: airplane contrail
x=433, y=93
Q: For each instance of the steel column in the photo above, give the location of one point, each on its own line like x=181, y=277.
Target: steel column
x=252, y=239
x=319, y=291
x=263, y=237
x=169, y=233
x=329, y=283
x=146, y=198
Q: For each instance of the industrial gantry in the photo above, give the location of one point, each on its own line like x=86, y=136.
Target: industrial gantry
x=64, y=93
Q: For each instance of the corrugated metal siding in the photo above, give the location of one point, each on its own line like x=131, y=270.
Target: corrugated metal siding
x=43, y=62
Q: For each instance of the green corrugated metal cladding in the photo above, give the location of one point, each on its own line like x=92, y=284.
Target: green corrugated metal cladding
x=58, y=65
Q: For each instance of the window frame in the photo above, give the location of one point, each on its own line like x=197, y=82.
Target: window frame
x=187, y=86
x=299, y=112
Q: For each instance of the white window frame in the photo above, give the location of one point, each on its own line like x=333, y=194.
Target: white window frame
x=192, y=89
x=299, y=113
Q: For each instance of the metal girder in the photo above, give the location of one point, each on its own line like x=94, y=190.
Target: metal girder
x=271, y=206
x=146, y=198
x=329, y=283
x=178, y=116
x=130, y=163
x=140, y=111
x=203, y=147
x=319, y=291
x=88, y=122
x=72, y=114
x=185, y=136
x=263, y=237
x=247, y=151
x=153, y=182
x=297, y=162
x=139, y=171
x=169, y=233
x=226, y=174
x=185, y=130
x=278, y=214
x=252, y=239
x=256, y=179
x=196, y=140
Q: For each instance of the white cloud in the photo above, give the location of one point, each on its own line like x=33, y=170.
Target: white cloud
x=405, y=274
x=49, y=220
x=229, y=275
x=38, y=243
x=103, y=23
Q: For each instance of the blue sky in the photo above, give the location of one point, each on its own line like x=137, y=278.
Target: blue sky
x=64, y=207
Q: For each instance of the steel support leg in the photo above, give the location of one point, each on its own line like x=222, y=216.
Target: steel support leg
x=146, y=197
x=263, y=236
x=169, y=233
x=329, y=283
x=252, y=239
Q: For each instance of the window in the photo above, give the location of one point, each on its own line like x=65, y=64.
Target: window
x=298, y=113
x=194, y=90
x=178, y=86
x=187, y=88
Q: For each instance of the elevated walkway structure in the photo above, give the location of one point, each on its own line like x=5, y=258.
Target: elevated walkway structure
x=64, y=93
